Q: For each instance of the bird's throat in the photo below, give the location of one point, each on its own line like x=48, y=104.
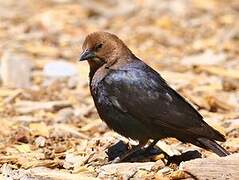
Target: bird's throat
x=94, y=66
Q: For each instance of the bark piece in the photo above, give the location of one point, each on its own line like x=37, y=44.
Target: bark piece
x=213, y=168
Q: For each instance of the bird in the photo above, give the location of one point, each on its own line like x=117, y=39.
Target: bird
x=135, y=101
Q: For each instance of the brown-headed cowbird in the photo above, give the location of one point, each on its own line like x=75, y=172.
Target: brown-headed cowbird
x=135, y=101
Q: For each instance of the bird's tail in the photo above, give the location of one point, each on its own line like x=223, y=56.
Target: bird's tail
x=213, y=146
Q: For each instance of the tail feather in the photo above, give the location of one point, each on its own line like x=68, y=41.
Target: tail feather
x=213, y=146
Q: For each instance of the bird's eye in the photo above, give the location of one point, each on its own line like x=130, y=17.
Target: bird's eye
x=98, y=46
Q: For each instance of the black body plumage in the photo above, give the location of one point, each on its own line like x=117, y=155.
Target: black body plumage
x=135, y=101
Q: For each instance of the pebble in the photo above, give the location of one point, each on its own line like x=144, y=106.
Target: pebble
x=40, y=141
x=59, y=68
x=15, y=70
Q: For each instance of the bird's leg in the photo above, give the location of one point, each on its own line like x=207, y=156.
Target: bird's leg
x=151, y=146
x=130, y=152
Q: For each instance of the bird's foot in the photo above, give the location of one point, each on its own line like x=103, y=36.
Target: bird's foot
x=121, y=152
x=141, y=154
x=156, y=151
x=130, y=154
x=117, y=150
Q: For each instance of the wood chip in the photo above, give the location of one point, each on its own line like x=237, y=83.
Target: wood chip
x=220, y=71
x=70, y=129
x=39, y=129
x=32, y=106
x=216, y=168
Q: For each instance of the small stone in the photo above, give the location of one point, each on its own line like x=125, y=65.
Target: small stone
x=15, y=71
x=59, y=68
x=22, y=136
x=40, y=141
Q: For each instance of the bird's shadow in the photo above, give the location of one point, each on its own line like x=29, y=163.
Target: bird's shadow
x=120, y=148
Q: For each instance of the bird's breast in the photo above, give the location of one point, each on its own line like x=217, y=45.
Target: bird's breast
x=100, y=74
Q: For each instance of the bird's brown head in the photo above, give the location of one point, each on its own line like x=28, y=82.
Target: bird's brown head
x=101, y=48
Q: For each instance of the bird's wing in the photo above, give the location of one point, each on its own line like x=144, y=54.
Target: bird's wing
x=143, y=94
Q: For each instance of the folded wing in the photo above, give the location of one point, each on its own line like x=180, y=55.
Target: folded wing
x=141, y=92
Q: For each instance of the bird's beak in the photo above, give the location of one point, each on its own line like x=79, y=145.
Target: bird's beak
x=87, y=55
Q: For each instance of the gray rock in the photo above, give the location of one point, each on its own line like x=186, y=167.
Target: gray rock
x=59, y=68
x=15, y=70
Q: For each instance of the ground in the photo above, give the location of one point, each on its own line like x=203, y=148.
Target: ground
x=49, y=125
